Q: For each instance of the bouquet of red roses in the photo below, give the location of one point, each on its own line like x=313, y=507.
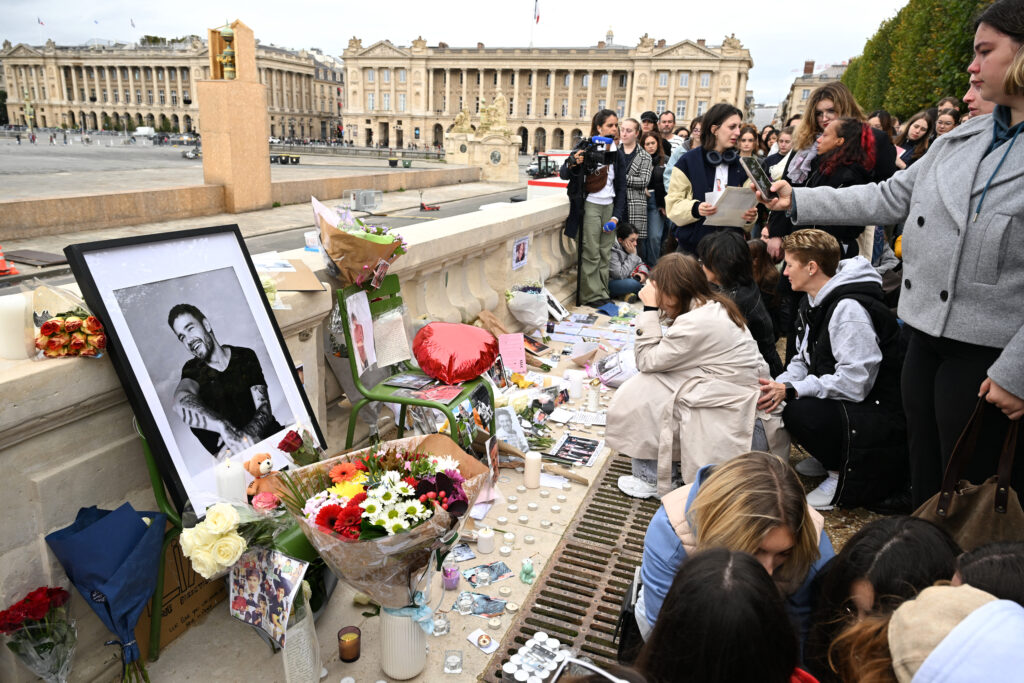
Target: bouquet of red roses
x=40, y=633
x=71, y=333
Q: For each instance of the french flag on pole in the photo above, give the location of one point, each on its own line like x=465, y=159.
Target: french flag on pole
x=536, y=11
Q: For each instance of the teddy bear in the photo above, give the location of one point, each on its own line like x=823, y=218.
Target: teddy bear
x=261, y=467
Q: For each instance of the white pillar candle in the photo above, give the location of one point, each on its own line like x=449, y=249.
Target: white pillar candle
x=231, y=481
x=485, y=541
x=531, y=475
x=575, y=379
x=12, y=327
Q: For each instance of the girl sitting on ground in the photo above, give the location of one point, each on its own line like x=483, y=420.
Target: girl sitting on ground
x=626, y=270
x=723, y=621
x=690, y=404
x=755, y=504
x=885, y=564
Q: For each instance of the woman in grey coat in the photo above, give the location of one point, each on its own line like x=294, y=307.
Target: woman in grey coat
x=963, y=250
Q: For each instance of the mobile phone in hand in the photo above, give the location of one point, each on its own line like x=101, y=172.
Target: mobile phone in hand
x=758, y=176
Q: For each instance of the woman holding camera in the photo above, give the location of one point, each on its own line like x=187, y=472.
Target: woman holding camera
x=702, y=175
x=597, y=203
x=963, y=270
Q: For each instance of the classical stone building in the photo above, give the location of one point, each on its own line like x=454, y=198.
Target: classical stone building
x=796, y=101
x=99, y=85
x=398, y=96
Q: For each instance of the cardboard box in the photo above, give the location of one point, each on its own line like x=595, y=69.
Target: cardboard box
x=187, y=598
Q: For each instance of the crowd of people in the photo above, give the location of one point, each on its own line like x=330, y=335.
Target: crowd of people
x=887, y=256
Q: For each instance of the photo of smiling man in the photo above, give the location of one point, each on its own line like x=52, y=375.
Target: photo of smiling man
x=222, y=395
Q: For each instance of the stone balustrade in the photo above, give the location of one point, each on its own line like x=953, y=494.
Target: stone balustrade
x=66, y=435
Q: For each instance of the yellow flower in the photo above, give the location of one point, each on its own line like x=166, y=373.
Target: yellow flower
x=228, y=548
x=221, y=518
x=348, y=489
x=204, y=563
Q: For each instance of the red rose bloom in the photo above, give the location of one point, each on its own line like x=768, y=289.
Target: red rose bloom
x=97, y=341
x=72, y=323
x=327, y=517
x=37, y=604
x=77, y=341
x=291, y=442
x=57, y=342
x=52, y=326
x=58, y=596
x=91, y=325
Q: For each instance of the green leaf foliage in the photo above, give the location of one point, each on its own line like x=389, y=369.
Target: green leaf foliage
x=917, y=57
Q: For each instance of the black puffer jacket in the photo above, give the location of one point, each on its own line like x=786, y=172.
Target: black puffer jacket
x=759, y=322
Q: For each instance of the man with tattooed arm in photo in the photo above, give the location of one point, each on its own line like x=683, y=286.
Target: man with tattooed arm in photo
x=222, y=395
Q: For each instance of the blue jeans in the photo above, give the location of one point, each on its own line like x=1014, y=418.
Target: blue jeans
x=624, y=287
x=650, y=246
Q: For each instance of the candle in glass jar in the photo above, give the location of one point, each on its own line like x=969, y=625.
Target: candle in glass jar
x=348, y=644
x=450, y=576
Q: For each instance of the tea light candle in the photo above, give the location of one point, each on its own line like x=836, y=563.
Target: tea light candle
x=505, y=551
x=532, y=507
x=502, y=520
x=567, y=486
x=485, y=541
x=511, y=607
x=348, y=643
x=505, y=591
x=545, y=523
x=513, y=508
x=523, y=519
x=555, y=509
x=528, y=539
x=494, y=623
x=544, y=493
x=513, y=499
x=521, y=488
x=562, y=499
x=509, y=538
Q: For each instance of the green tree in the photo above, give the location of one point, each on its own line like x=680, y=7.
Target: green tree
x=851, y=77
x=873, y=81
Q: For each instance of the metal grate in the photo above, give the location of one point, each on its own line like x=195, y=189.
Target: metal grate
x=579, y=593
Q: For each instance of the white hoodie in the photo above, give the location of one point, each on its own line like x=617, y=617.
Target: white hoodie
x=854, y=343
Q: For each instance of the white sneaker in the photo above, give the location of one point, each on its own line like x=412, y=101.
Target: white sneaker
x=810, y=467
x=636, y=487
x=821, y=497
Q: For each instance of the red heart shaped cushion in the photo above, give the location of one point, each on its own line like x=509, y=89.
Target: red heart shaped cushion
x=453, y=352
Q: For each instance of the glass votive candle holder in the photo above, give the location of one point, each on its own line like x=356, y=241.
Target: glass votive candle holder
x=450, y=574
x=442, y=624
x=464, y=603
x=483, y=578
x=453, y=661
x=348, y=643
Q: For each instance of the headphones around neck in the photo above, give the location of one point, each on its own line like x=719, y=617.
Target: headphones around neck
x=726, y=157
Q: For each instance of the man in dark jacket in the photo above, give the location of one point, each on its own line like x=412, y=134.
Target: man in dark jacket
x=842, y=387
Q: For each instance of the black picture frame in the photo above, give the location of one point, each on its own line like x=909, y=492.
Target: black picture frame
x=127, y=283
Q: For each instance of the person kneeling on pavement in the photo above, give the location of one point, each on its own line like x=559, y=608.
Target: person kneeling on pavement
x=627, y=272
x=841, y=390
x=693, y=402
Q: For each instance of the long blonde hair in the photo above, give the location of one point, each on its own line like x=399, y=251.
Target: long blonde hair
x=808, y=129
x=744, y=499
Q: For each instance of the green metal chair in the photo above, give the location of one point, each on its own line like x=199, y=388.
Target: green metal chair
x=388, y=297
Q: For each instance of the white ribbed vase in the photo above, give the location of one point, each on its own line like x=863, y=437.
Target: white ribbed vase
x=403, y=646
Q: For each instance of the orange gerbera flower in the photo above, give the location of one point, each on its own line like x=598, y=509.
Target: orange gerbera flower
x=344, y=471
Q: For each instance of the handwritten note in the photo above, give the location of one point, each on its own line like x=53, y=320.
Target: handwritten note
x=512, y=351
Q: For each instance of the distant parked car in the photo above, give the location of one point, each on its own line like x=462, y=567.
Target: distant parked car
x=275, y=141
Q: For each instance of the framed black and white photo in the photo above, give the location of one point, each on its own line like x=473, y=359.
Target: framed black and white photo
x=198, y=351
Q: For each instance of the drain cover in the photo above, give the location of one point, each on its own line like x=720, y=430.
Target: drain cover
x=579, y=593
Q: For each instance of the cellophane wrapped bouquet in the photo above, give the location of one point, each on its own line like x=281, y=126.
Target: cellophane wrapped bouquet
x=214, y=544
x=376, y=515
x=40, y=633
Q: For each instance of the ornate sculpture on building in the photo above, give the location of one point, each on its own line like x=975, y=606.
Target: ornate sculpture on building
x=732, y=42
x=461, y=124
x=499, y=114
x=355, y=43
x=486, y=116
x=227, y=57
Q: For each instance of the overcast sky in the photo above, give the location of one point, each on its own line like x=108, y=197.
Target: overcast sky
x=779, y=35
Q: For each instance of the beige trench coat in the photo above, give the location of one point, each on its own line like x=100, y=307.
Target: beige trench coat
x=695, y=397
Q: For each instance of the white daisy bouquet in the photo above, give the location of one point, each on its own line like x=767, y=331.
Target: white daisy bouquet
x=376, y=515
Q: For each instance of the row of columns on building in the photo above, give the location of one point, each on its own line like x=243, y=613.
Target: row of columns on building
x=176, y=89
x=448, y=110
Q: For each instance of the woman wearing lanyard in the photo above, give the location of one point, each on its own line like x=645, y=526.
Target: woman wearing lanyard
x=963, y=273
x=701, y=176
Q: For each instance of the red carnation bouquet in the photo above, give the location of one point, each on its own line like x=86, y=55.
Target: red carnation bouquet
x=40, y=633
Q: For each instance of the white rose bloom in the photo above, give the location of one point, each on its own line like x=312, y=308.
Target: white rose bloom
x=196, y=537
x=222, y=518
x=204, y=563
x=228, y=549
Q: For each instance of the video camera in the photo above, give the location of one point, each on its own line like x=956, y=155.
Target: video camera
x=597, y=152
